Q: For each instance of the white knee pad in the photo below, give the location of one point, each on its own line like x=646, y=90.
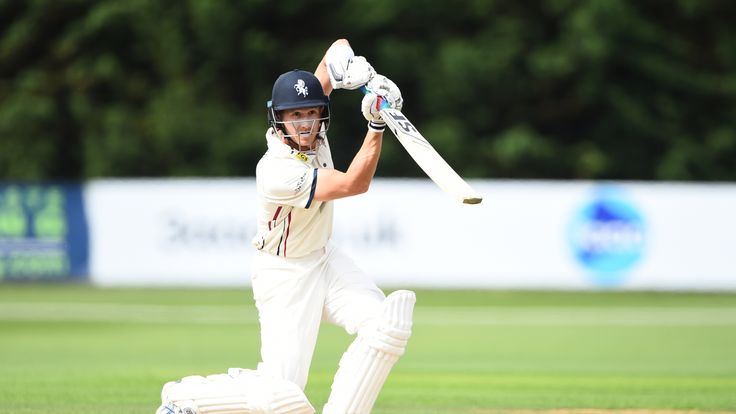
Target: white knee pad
x=368, y=361
x=240, y=391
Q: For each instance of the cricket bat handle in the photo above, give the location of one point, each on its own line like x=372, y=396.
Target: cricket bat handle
x=384, y=101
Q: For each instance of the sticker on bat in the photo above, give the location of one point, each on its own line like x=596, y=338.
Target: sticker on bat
x=403, y=123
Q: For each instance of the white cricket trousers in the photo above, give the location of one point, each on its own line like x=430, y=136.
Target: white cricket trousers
x=294, y=295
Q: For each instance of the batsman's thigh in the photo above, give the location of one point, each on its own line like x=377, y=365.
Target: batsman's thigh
x=271, y=276
x=353, y=299
x=289, y=295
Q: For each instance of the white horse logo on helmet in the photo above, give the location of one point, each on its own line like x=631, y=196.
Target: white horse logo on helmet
x=301, y=88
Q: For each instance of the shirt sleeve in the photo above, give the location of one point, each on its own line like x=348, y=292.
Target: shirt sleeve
x=292, y=184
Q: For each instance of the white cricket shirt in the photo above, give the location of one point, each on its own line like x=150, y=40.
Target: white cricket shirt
x=290, y=222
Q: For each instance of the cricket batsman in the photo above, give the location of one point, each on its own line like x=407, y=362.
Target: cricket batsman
x=299, y=277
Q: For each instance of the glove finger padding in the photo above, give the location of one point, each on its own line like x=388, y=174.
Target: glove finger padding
x=357, y=73
x=345, y=70
x=384, y=86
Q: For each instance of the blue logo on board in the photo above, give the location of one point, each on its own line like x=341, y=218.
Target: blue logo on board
x=608, y=236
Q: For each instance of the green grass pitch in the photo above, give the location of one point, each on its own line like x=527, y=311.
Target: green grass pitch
x=71, y=349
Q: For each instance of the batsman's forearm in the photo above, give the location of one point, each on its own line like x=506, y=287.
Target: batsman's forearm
x=324, y=78
x=363, y=167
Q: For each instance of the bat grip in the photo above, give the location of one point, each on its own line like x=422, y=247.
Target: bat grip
x=384, y=101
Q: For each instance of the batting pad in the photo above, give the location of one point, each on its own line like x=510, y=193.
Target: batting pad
x=240, y=391
x=368, y=361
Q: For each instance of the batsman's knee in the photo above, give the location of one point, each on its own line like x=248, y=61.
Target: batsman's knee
x=393, y=328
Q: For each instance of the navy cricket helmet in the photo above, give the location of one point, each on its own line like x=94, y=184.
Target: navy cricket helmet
x=297, y=89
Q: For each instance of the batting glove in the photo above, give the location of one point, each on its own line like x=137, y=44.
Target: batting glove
x=381, y=85
x=371, y=108
x=345, y=70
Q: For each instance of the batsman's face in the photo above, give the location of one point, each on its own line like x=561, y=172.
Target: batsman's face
x=302, y=124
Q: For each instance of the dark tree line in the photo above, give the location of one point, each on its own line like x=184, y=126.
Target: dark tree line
x=594, y=89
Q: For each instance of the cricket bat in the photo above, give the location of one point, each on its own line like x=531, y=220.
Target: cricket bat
x=428, y=159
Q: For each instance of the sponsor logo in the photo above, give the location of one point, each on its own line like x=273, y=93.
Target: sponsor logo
x=300, y=182
x=608, y=236
x=202, y=233
x=381, y=231
x=43, y=232
x=402, y=122
x=301, y=156
x=301, y=88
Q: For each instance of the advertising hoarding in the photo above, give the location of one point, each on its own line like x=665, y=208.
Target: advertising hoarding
x=43, y=232
x=525, y=234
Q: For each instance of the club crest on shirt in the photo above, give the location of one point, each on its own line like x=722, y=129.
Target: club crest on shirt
x=301, y=88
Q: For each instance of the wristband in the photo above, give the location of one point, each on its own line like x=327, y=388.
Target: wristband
x=376, y=126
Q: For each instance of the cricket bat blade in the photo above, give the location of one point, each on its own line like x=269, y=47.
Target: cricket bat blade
x=428, y=159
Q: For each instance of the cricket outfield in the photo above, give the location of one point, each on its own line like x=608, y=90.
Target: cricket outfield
x=72, y=349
